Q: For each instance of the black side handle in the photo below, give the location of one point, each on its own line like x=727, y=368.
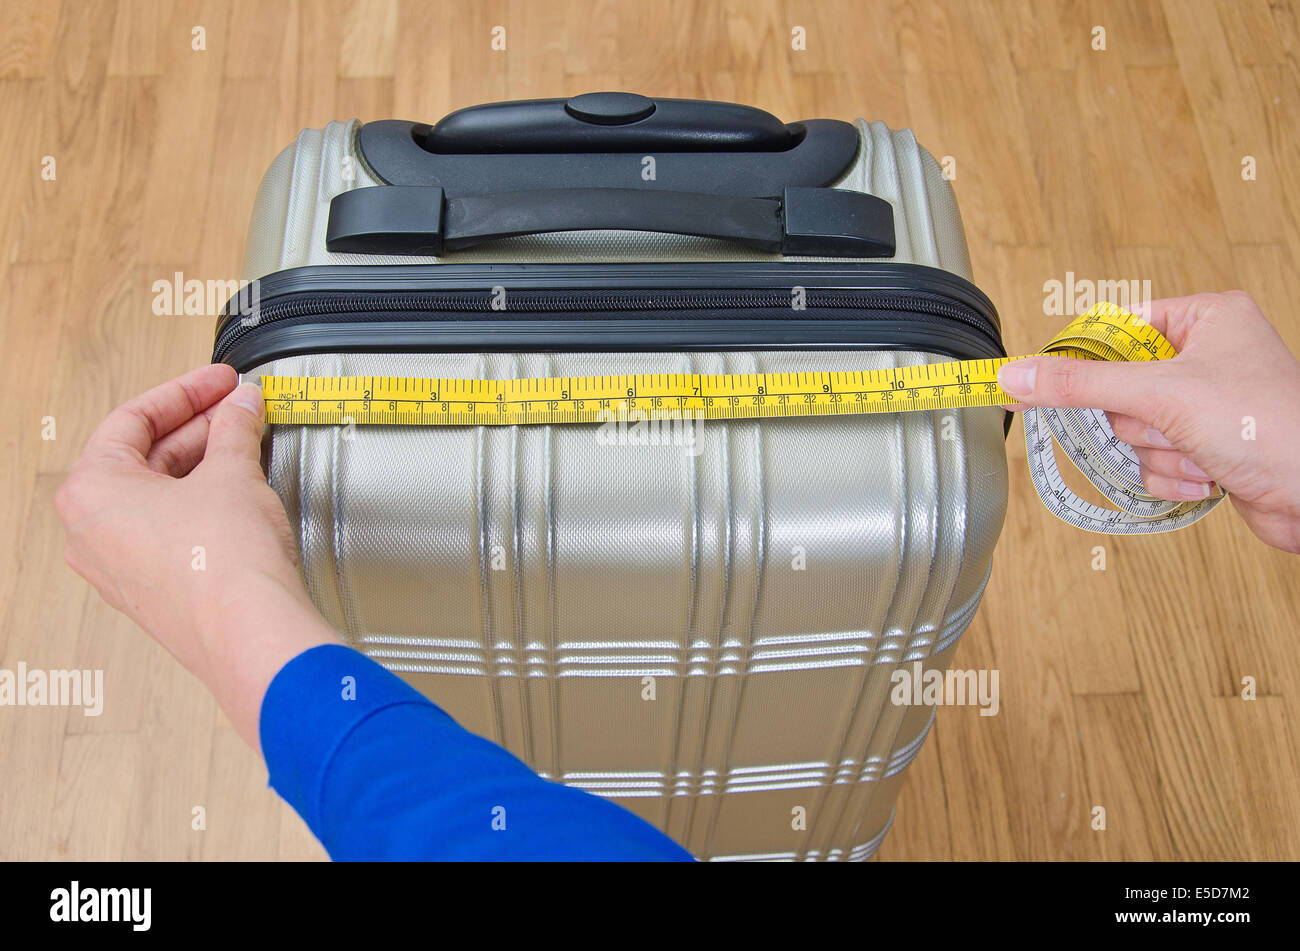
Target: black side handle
x=393, y=219
x=609, y=122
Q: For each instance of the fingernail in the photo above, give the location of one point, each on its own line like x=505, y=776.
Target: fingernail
x=1157, y=439
x=1193, y=490
x=248, y=396
x=1017, y=379
x=1190, y=468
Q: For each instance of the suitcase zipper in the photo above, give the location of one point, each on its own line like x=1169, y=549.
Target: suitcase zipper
x=298, y=316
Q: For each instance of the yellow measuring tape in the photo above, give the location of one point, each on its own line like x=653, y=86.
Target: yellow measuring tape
x=1104, y=333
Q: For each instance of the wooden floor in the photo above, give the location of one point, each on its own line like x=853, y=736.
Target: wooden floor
x=1120, y=688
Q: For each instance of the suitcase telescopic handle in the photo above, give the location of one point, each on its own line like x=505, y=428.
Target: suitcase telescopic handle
x=422, y=220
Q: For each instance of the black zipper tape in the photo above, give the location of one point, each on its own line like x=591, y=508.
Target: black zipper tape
x=607, y=307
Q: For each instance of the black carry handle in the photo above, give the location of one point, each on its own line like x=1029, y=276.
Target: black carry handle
x=601, y=140
x=609, y=122
x=393, y=219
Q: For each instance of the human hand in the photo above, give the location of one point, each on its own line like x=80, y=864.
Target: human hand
x=169, y=516
x=1226, y=410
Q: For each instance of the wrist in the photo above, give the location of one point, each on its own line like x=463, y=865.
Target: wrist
x=261, y=609
x=247, y=633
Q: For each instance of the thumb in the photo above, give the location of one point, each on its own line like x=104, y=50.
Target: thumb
x=236, y=429
x=1134, y=389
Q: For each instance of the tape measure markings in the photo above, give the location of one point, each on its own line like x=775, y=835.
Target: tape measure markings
x=1104, y=333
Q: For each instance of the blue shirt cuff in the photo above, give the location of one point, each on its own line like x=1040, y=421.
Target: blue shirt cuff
x=313, y=705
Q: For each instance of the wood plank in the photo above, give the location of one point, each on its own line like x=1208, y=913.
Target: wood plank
x=243, y=818
x=28, y=38
x=96, y=780
x=37, y=631
x=369, y=47
x=1121, y=778
x=139, y=38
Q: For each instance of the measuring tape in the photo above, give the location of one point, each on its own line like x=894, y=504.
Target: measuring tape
x=1104, y=333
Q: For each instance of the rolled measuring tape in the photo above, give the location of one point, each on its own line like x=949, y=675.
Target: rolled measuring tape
x=1104, y=333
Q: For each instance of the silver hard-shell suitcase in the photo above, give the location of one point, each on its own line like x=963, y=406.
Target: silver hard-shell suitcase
x=705, y=629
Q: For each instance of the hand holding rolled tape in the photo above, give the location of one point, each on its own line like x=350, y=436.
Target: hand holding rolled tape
x=1226, y=411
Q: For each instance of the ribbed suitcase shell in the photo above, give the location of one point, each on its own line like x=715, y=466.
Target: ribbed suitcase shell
x=529, y=579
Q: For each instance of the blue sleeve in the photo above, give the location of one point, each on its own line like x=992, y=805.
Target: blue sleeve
x=378, y=772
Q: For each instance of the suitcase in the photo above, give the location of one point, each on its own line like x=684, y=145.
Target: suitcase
x=706, y=630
